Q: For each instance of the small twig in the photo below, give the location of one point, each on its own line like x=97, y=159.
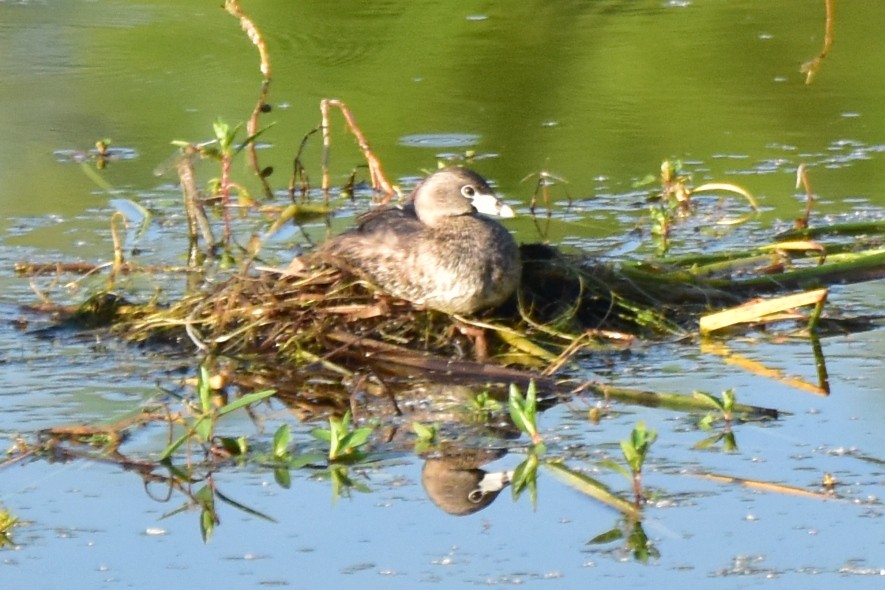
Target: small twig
x=812, y=66
x=197, y=222
x=225, y=185
x=299, y=171
x=815, y=315
x=116, y=218
x=191, y=332
x=802, y=180
x=262, y=106
x=252, y=149
x=379, y=180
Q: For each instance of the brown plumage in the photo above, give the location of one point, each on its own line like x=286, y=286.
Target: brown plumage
x=437, y=250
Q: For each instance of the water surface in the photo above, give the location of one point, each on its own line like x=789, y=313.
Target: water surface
x=596, y=93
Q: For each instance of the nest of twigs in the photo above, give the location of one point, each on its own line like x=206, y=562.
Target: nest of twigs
x=328, y=317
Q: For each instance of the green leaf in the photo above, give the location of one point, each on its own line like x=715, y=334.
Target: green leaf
x=207, y=524
x=706, y=397
x=167, y=452
x=617, y=468
x=242, y=507
x=245, y=400
x=728, y=401
x=225, y=135
x=706, y=423
x=237, y=447
x=281, y=439
x=517, y=405
x=630, y=454
x=591, y=487
x=615, y=534
x=355, y=439
x=531, y=399
x=321, y=434
x=204, y=428
x=283, y=477
x=424, y=432
x=252, y=138
x=204, y=390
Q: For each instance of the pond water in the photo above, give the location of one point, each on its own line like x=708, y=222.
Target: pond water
x=595, y=93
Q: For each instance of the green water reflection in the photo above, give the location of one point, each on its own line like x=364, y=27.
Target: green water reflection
x=598, y=93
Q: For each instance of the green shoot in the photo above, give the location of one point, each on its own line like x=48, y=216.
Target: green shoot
x=426, y=436
x=725, y=406
x=206, y=415
x=525, y=477
x=636, y=542
x=281, y=439
x=635, y=450
x=7, y=521
x=343, y=442
x=724, y=410
x=483, y=405
x=523, y=411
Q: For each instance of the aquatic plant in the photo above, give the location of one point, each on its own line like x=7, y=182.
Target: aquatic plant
x=635, y=450
x=7, y=522
x=725, y=405
x=525, y=478
x=482, y=406
x=635, y=541
x=344, y=442
x=223, y=148
x=524, y=411
x=205, y=415
x=427, y=436
x=725, y=411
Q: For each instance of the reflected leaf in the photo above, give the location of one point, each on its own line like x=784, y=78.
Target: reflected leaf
x=641, y=547
x=727, y=438
x=305, y=460
x=208, y=516
x=342, y=484
x=283, y=478
x=243, y=507
x=525, y=477
x=207, y=524
x=707, y=442
x=615, y=534
x=617, y=468
x=234, y=446
x=591, y=487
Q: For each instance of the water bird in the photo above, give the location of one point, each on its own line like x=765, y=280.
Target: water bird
x=439, y=250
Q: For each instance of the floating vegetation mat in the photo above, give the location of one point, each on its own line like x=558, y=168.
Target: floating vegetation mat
x=326, y=317
x=566, y=305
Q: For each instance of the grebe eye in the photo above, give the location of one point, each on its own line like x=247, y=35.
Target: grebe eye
x=468, y=191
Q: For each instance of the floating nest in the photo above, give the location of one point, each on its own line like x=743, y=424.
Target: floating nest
x=328, y=317
x=322, y=337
